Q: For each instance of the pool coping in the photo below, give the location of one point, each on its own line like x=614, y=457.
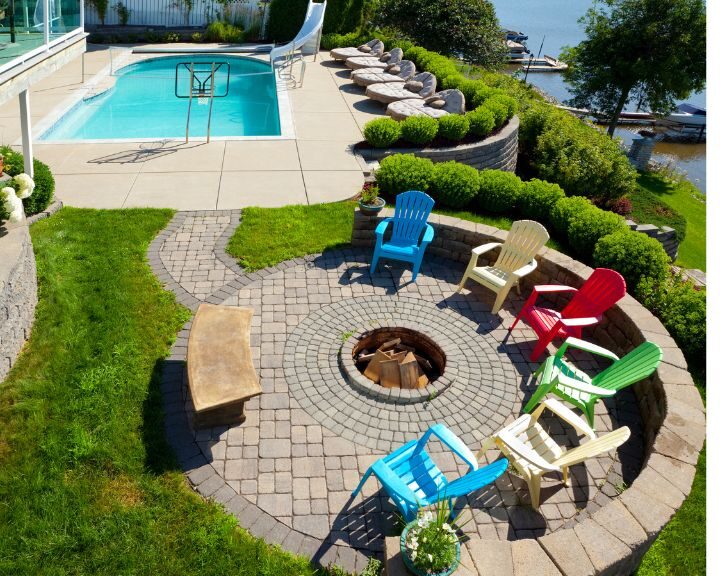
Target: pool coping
x=285, y=116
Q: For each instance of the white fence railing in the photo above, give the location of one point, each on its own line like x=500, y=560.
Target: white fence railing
x=180, y=13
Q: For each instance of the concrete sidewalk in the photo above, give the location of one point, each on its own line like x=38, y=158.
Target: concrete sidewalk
x=328, y=113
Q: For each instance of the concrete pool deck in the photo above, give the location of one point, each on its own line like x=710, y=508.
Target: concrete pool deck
x=318, y=165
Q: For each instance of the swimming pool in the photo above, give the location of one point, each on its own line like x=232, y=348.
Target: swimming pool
x=149, y=100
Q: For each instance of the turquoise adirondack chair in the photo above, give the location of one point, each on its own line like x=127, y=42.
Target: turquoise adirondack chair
x=413, y=480
x=559, y=378
x=410, y=227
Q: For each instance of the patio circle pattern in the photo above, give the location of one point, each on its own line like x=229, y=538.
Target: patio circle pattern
x=475, y=394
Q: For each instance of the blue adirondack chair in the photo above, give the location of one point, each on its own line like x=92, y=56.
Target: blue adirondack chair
x=413, y=480
x=409, y=227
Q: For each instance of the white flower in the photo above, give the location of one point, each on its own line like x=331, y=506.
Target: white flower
x=429, y=557
x=413, y=555
x=26, y=185
x=448, y=528
x=13, y=205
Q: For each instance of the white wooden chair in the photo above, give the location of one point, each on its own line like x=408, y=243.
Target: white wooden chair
x=516, y=259
x=533, y=452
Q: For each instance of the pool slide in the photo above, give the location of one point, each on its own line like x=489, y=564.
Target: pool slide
x=308, y=36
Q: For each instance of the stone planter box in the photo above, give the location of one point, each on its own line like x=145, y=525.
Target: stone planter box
x=498, y=151
x=607, y=539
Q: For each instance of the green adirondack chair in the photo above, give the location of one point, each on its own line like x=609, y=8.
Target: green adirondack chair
x=563, y=380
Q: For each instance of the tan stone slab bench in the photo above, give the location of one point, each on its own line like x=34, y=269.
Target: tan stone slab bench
x=221, y=375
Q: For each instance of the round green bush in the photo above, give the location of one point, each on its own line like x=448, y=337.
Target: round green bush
x=510, y=102
x=402, y=172
x=634, y=255
x=453, y=127
x=482, y=121
x=564, y=211
x=683, y=311
x=419, y=130
x=537, y=199
x=588, y=226
x=498, y=191
x=44, y=181
x=453, y=184
x=499, y=109
x=483, y=94
x=382, y=132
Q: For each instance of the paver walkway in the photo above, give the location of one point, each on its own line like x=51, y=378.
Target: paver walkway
x=288, y=471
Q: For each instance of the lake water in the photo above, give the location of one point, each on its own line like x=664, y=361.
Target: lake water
x=557, y=21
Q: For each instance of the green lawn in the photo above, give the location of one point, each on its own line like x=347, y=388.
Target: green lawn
x=651, y=201
x=87, y=482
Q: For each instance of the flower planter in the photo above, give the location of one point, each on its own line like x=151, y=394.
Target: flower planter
x=417, y=571
x=372, y=209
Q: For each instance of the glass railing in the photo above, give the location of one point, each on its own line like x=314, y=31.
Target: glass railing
x=26, y=29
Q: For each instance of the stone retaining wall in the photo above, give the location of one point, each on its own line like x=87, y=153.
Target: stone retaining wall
x=665, y=235
x=18, y=292
x=609, y=539
x=498, y=151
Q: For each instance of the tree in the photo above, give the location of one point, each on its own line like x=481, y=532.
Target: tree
x=649, y=51
x=460, y=28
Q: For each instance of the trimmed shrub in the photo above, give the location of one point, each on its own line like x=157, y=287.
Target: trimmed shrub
x=453, y=127
x=332, y=41
x=419, y=130
x=583, y=161
x=588, y=226
x=622, y=206
x=44, y=181
x=537, y=199
x=634, y=255
x=683, y=311
x=536, y=117
x=498, y=191
x=219, y=31
x=510, y=102
x=401, y=172
x=453, y=184
x=482, y=121
x=564, y=211
x=341, y=16
x=499, y=109
x=382, y=132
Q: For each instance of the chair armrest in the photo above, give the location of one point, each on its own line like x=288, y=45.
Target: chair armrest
x=474, y=480
x=544, y=288
x=428, y=235
x=477, y=251
x=525, y=270
x=580, y=321
x=594, y=447
x=564, y=413
x=573, y=342
x=448, y=437
x=380, y=229
x=522, y=452
x=584, y=386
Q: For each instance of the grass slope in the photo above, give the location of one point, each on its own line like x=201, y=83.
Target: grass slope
x=686, y=201
x=87, y=482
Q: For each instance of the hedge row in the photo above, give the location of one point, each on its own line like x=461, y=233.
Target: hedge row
x=596, y=235
x=422, y=130
x=341, y=16
x=44, y=181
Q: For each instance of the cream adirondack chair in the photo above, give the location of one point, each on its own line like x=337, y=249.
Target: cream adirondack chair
x=534, y=453
x=516, y=259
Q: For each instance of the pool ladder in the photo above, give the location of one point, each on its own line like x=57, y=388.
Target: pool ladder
x=190, y=99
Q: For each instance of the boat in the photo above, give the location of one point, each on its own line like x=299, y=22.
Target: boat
x=544, y=64
x=516, y=50
x=515, y=36
x=687, y=115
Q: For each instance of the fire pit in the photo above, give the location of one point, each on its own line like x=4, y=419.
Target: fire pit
x=398, y=358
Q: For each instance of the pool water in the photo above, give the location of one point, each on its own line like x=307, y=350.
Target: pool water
x=145, y=102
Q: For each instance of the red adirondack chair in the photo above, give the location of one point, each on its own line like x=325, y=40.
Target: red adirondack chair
x=600, y=292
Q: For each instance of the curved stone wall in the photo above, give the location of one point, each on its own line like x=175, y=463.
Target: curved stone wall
x=612, y=538
x=18, y=292
x=498, y=151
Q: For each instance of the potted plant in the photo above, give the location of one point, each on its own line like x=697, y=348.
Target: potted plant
x=370, y=203
x=429, y=545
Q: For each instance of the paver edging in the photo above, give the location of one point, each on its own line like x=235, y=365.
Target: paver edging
x=674, y=422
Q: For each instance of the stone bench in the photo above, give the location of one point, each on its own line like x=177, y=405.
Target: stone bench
x=221, y=375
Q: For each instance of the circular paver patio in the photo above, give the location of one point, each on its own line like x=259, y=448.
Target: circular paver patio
x=311, y=435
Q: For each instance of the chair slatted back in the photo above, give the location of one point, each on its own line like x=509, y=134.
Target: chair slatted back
x=524, y=241
x=631, y=368
x=412, y=210
x=396, y=55
x=603, y=289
